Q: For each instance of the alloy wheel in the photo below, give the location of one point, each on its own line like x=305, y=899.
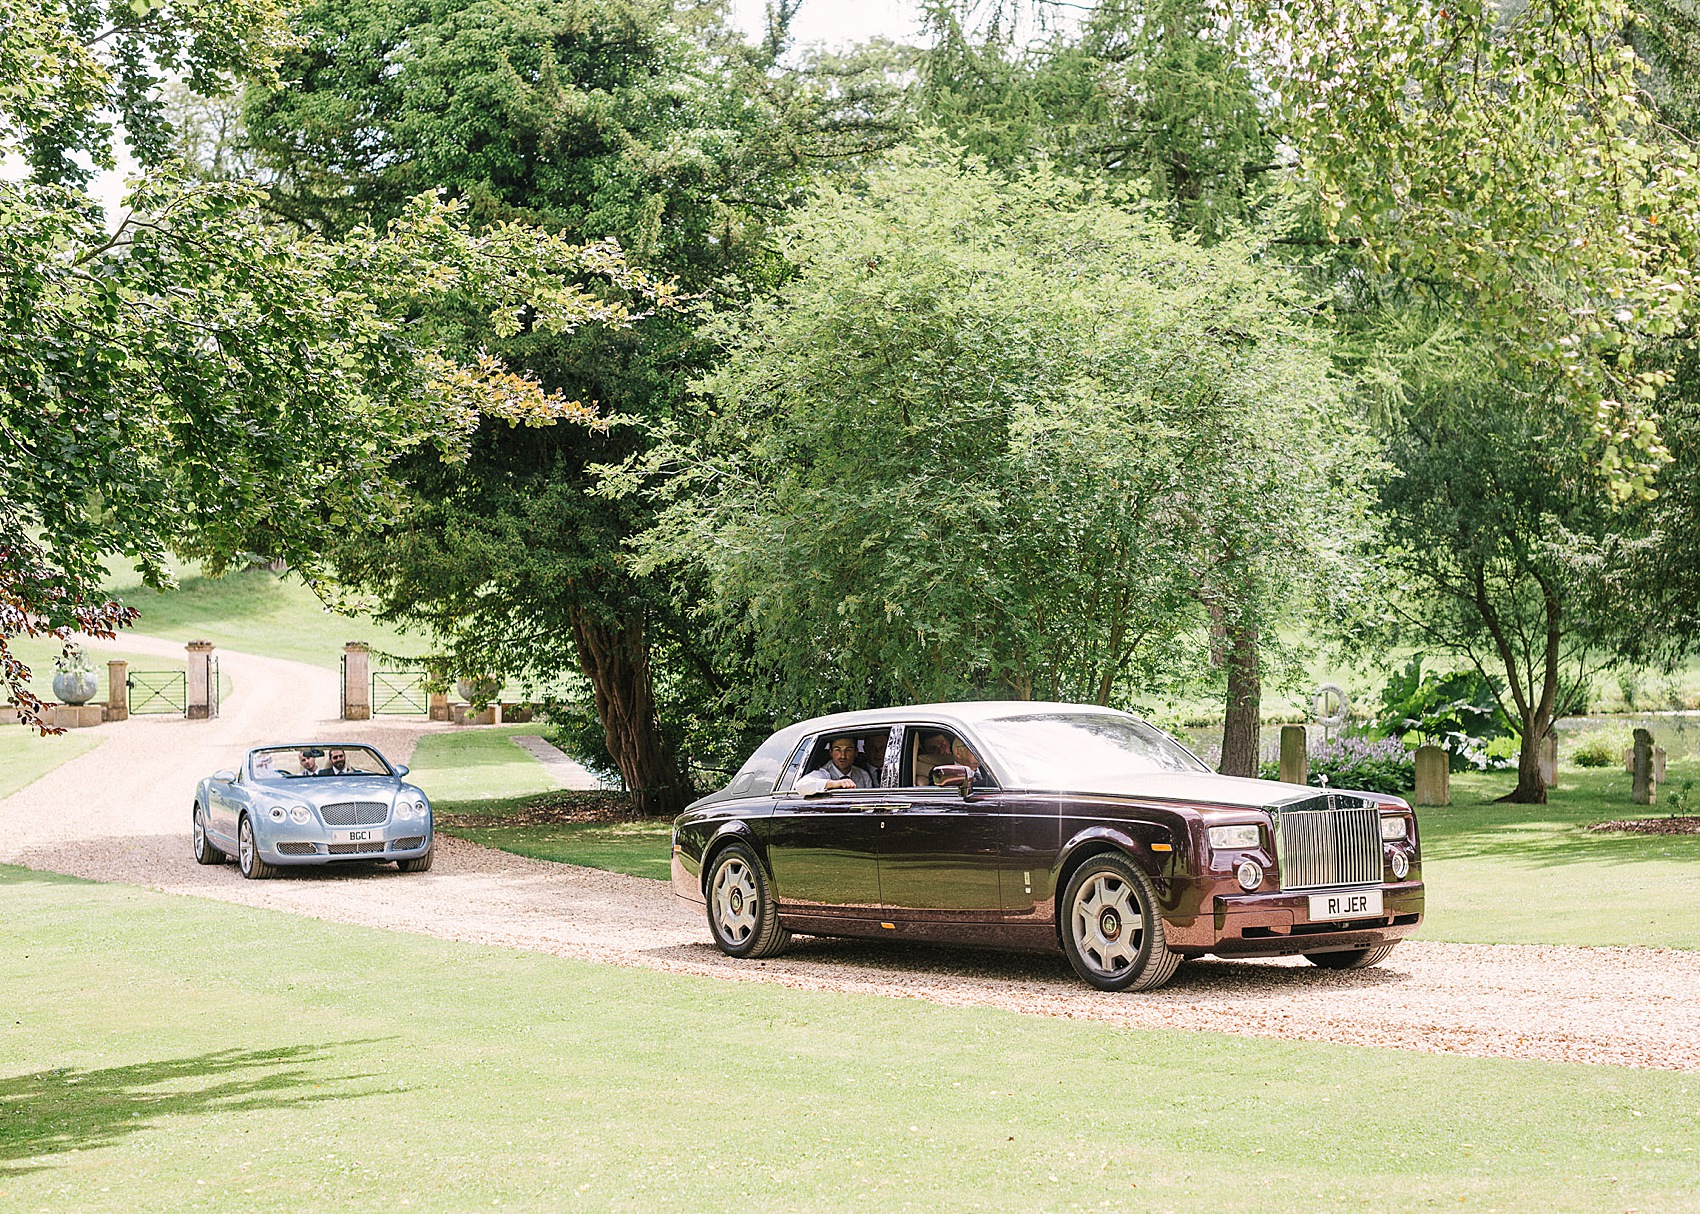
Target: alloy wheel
x=1107, y=926
x=735, y=901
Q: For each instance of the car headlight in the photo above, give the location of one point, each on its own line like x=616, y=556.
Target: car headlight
x=1401, y=866
x=1227, y=838
x=1250, y=874
x=1393, y=828
x=279, y=813
x=300, y=816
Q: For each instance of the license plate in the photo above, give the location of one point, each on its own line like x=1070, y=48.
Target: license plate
x=356, y=836
x=1347, y=904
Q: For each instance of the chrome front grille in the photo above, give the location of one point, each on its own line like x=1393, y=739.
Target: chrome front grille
x=354, y=813
x=297, y=849
x=1324, y=842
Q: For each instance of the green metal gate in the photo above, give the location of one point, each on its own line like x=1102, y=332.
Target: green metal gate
x=400, y=692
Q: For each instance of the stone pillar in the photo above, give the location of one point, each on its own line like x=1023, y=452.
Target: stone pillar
x=356, y=682
x=439, y=706
x=1295, y=760
x=199, y=706
x=1547, y=757
x=1434, y=776
x=117, y=691
x=1646, y=784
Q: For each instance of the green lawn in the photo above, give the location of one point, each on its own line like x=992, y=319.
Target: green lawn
x=257, y=612
x=478, y=762
x=176, y=1054
x=26, y=756
x=639, y=849
x=1532, y=874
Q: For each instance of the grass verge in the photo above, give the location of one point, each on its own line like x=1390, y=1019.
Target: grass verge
x=174, y=1053
x=1534, y=874
x=26, y=756
x=478, y=763
x=592, y=829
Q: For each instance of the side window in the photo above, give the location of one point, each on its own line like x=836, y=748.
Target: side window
x=857, y=755
x=928, y=746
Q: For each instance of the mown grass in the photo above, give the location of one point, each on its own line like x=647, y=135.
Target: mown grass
x=26, y=756
x=169, y=1053
x=638, y=849
x=1534, y=874
x=478, y=762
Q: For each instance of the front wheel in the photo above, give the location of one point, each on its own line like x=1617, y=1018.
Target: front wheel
x=417, y=864
x=205, y=852
x=1111, y=930
x=248, y=853
x=741, y=913
x=1351, y=959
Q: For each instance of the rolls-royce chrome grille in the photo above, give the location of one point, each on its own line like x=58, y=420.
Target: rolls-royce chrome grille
x=1325, y=842
x=354, y=813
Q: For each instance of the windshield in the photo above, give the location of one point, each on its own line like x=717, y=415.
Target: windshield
x=289, y=762
x=1082, y=750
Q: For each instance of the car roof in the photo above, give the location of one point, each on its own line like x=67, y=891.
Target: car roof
x=962, y=712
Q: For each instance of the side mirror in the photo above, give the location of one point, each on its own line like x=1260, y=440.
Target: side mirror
x=224, y=777
x=955, y=775
x=401, y=769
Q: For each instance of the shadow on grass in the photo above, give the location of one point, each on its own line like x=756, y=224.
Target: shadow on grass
x=51, y=1112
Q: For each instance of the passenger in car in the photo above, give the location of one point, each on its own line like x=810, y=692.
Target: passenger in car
x=963, y=755
x=839, y=770
x=872, y=758
x=935, y=749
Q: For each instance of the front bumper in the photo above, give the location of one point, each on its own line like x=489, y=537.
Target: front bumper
x=1279, y=925
x=395, y=841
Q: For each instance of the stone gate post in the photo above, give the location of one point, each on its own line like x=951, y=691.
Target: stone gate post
x=1434, y=776
x=199, y=704
x=356, y=682
x=117, y=691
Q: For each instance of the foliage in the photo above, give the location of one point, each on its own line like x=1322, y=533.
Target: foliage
x=1002, y=438
x=73, y=660
x=1459, y=711
x=1597, y=752
x=1350, y=761
x=1423, y=128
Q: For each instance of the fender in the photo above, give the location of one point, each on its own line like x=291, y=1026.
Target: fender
x=733, y=829
x=1133, y=838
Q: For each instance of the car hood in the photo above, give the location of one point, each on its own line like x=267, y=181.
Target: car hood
x=1199, y=786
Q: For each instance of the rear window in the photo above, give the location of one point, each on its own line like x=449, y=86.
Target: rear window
x=760, y=771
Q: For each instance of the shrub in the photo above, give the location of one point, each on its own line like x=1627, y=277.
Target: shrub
x=1372, y=764
x=1458, y=711
x=1596, y=752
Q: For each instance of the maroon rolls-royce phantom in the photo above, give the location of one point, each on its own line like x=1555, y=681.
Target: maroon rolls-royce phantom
x=1042, y=826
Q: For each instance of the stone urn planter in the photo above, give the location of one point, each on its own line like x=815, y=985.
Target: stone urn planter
x=76, y=687
x=479, y=689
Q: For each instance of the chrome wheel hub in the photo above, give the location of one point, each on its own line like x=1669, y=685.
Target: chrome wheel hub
x=735, y=898
x=1106, y=924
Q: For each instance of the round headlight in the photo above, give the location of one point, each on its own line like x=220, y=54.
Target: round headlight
x=300, y=815
x=1401, y=865
x=278, y=813
x=1250, y=873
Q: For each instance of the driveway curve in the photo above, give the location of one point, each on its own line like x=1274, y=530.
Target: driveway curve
x=121, y=813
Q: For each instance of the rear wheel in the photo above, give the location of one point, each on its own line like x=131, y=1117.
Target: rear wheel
x=248, y=853
x=418, y=864
x=205, y=852
x=1351, y=959
x=741, y=913
x=1111, y=930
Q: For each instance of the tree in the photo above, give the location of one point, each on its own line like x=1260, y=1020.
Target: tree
x=1002, y=438
x=1503, y=548
x=620, y=119
x=198, y=379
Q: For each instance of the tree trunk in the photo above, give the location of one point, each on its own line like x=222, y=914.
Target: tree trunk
x=1531, y=784
x=616, y=661
x=1245, y=704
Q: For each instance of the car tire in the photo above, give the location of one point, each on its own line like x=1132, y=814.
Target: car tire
x=1351, y=959
x=741, y=912
x=1111, y=930
x=205, y=851
x=417, y=864
x=248, y=853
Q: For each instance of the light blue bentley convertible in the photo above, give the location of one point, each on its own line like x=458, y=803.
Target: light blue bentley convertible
x=313, y=803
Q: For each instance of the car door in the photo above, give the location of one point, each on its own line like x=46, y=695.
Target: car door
x=941, y=855
x=224, y=801
x=824, y=849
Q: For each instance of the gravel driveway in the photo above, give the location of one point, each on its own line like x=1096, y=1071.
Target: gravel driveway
x=121, y=813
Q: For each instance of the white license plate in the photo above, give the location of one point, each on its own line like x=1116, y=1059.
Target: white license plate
x=356, y=836
x=1347, y=904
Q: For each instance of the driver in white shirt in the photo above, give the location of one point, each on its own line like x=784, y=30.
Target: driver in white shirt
x=839, y=770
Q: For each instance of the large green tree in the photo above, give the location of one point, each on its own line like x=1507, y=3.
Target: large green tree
x=633, y=119
x=188, y=376
x=1004, y=437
